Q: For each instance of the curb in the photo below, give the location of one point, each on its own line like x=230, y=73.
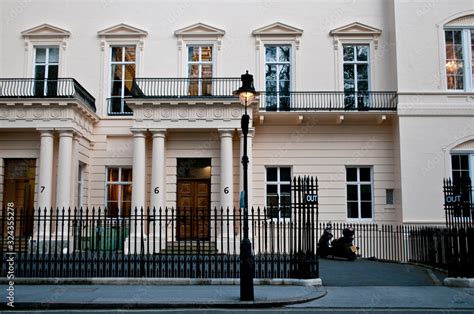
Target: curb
x=316, y=282
x=459, y=282
x=312, y=293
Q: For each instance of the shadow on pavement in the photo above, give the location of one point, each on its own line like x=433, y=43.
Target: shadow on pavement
x=362, y=272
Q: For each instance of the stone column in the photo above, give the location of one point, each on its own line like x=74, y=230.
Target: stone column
x=158, y=191
x=226, y=191
x=138, y=191
x=45, y=185
x=63, y=183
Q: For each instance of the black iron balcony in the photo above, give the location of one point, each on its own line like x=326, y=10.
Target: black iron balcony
x=328, y=101
x=58, y=88
x=185, y=87
x=117, y=106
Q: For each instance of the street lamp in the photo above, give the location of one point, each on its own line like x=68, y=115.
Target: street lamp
x=246, y=94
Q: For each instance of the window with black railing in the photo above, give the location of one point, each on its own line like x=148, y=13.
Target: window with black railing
x=46, y=71
x=356, y=76
x=123, y=71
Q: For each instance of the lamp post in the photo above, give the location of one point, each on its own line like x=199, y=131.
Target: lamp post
x=246, y=94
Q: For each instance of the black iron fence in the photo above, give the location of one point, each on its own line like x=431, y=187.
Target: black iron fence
x=46, y=88
x=151, y=243
x=328, y=101
x=184, y=87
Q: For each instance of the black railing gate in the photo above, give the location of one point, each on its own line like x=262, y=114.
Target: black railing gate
x=459, y=211
x=305, y=206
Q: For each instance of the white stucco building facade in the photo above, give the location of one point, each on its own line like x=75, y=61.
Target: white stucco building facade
x=125, y=104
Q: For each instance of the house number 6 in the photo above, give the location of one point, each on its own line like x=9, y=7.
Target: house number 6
x=226, y=190
x=157, y=190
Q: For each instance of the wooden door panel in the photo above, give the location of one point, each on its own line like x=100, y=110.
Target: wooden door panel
x=193, y=202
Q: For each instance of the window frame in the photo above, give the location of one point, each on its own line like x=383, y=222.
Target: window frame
x=120, y=183
x=278, y=63
x=355, y=63
x=200, y=62
x=123, y=64
x=46, y=65
x=358, y=183
x=467, y=60
x=278, y=184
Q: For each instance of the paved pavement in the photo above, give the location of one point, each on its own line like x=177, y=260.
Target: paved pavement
x=361, y=286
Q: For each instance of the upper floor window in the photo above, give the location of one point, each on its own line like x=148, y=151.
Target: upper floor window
x=359, y=192
x=119, y=192
x=200, y=64
x=461, y=167
x=277, y=77
x=278, y=192
x=46, y=66
x=460, y=59
x=123, y=70
x=356, y=75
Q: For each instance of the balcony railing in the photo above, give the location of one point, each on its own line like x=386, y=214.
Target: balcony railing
x=328, y=101
x=185, y=87
x=58, y=88
x=117, y=106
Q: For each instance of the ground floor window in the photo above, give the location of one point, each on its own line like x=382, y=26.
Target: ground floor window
x=278, y=192
x=119, y=192
x=359, y=192
x=462, y=167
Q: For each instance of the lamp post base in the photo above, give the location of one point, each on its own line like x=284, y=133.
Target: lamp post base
x=246, y=271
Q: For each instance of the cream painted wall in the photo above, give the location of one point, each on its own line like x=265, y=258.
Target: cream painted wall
x=324, y=151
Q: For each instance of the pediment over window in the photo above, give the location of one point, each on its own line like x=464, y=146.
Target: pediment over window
x=467, y=20
x=276, y=29
x=466, y=146
x=199, y=29
x=356, y=29
x=46, y=31
x=122, y=30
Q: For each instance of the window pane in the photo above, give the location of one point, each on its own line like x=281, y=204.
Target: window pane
x=272, y=174
x=348, y=72
x=116, y=72
x=464, y=162
x=366, y=192
x=126, y=175
x=285, y=188
x=116, y=54
x=284, y=53
x=112, y=175
x=455, y=164
x=457, y=35
x=363, y=85
x=40, y=72
x=449, y=37
x=365, y=175
x=362, y=53
x=53, y=55
x=285, y=174
x=352, y=193
x=348, y=53
x=193, y=72
x=366, y=210
x=206, y=54
x=352, y=210
x=270, y=72
x=272, y=189
x=127, y=192
x=362, y=72
x=53, y=72
x=284, y=72
x=40, y=55
x=351, y=174
x=270, y=53
x=130, y=72
x=112, y=209
x=126, y=209
x=113, y=192
x=206, y=70
x=130, y=54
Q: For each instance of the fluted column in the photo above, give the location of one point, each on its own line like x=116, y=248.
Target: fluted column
x=226, y=191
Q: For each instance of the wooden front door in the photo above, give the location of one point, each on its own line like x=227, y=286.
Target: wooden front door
x=193, y=209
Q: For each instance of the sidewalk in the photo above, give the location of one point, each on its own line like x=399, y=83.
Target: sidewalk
x=152, y=296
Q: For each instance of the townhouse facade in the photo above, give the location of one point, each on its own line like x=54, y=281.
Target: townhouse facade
x=124, y=104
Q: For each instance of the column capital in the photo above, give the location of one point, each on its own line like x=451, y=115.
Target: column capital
x=226, y=132
x=158, y=132
x=45, y=132
x=138, y=132
x=66, y=133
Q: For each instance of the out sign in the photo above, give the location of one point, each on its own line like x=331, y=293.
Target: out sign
x=311, y=199
x=450, y=199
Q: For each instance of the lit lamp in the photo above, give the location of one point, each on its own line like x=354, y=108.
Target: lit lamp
x=246, y=94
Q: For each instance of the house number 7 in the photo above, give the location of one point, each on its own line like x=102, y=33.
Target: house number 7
x=42, y=188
